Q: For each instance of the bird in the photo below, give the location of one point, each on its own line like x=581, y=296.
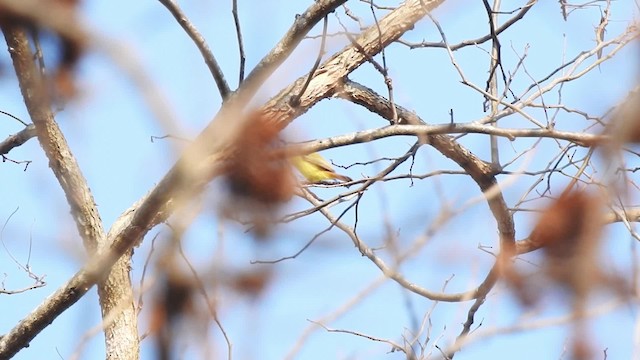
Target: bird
x=316, y=169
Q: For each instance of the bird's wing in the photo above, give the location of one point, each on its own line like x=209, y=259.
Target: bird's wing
x=319, y=161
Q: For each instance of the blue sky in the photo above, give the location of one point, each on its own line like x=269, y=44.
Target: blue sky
x=109, y=126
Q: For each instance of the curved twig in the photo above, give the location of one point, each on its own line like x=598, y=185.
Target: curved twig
x=201, y=43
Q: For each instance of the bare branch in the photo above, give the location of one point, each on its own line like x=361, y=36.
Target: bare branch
x=61, y=160
x=17, y=139
x=328, y=76
x=200, y=42
x=236, y=21
x=122, y=333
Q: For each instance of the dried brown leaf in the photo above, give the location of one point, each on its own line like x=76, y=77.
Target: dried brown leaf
x=569, y=232
x=251, y=283
x=259, y=176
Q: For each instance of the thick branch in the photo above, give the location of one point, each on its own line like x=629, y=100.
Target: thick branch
x=61, y=160
x=329, y=75
x=121, y=335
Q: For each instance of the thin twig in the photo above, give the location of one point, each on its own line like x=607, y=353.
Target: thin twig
x=243, y=58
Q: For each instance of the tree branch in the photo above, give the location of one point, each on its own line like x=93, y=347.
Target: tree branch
x=17, y=139
x=121, y=335
x=201, y=43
